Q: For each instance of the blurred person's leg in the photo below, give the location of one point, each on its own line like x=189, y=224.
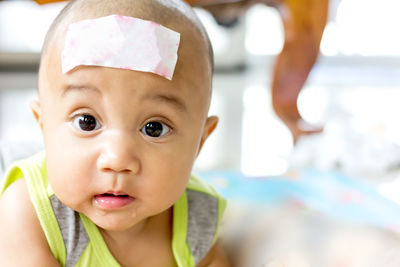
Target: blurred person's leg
x=304, y=22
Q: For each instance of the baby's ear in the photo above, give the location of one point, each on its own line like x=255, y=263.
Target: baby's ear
x=35, y=107
x=209, y=127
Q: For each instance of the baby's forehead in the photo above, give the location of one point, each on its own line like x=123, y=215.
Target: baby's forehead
x=157, y=51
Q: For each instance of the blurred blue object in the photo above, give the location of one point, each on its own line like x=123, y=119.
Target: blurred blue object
x=332, y=193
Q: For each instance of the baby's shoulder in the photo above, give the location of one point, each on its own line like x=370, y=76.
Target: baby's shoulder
x=20, y=230
x=16, y=204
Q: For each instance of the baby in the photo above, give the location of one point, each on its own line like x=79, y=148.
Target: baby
x=124, y=92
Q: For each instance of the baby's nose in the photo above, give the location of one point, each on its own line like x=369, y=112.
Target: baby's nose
x=118, y=154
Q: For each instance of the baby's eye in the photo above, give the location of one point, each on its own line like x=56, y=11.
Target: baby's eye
x=155, y=129
x=86, y=123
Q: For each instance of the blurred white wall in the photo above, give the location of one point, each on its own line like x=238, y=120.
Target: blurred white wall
x=356, y=27
x=23, y=25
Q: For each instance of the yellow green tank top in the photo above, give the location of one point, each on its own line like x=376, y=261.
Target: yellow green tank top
x=74, y=240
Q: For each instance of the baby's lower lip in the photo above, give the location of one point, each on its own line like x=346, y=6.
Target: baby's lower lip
x=109, y=201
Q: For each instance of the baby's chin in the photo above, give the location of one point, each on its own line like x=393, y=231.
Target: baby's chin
x=132, y=218
x=116, y=222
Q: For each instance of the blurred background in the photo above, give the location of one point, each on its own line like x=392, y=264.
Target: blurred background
x=330, y=200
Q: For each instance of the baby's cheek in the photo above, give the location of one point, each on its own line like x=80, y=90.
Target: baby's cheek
x=69, y=194
x=166, y=191
x=64, y=180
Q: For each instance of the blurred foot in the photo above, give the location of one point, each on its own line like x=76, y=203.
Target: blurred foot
x=296, y=124
x=300, y=128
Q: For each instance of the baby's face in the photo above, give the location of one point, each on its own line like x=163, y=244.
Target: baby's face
x=121, y=144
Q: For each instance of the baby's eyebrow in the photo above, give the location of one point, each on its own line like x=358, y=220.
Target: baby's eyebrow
x=82, y=88
x=170, y=99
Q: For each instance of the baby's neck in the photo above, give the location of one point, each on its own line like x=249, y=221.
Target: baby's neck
x=137, y=246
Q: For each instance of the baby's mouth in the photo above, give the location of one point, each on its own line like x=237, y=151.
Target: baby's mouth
x=112, y=200
x=113, y=195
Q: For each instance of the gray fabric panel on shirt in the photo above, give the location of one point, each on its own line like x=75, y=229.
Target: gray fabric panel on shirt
x=202, y=223
x=73, y=232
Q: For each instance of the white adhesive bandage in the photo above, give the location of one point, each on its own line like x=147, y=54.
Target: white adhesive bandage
x=121, y=42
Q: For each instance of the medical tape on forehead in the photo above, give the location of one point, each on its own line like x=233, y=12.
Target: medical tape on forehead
x=121, y=42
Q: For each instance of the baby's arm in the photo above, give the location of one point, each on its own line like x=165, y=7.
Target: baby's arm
x=22, y=241
x=216, y=257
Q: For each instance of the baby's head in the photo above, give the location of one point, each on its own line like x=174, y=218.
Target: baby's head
x=120, y=144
